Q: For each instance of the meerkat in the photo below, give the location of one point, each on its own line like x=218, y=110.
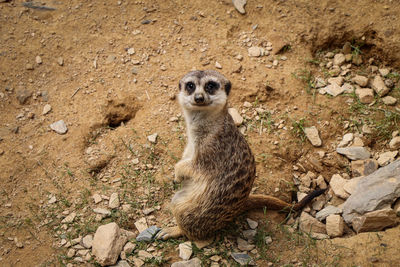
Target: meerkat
x=217, y=168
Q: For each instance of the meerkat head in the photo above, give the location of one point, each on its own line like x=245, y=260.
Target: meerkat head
x=203, y=90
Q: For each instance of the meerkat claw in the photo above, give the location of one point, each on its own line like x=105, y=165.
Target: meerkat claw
x=170, y=232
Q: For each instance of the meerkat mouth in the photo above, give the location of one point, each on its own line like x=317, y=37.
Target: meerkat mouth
x=201, y=104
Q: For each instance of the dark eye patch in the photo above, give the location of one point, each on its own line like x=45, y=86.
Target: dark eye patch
x=190, y=87
x=211, y=87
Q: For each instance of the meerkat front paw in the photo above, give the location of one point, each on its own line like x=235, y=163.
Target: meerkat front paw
x=183, y=170
x=170, y=232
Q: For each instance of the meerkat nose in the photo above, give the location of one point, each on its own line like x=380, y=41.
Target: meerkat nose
x=199, y=98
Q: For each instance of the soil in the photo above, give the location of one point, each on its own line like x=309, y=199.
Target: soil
x=111, y=101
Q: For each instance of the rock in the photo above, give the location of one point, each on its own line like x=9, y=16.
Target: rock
x=253, y=224
x=389, y=100
x=313, y=136
x=148, y=234
x=144, y=255
x=366, y=96
x=395, y=143
x=217, y=65
x=384, y=72
x=52, y=200
x=351, y=185
x=360, y=80
x=321, y=182
x=60, y=61
x=185, y=250
x=339, y=59
x=337, y=80
x=71, y=252
x=346, y=48
x=325, y=212
x=46, y=109
x=319, y=82
x=255, y=51
x=129, y=247
x=97, y=198
x=366, y=129
x=239, y=5
x=238, y=120
x=131, y=51
x=379, y=86
x=354, y=152
x=70, y=218
x=337, y=183
x=200, y=244
x=363, y=167
x=121, y=263
x=137, y=262
x=347, y=138
x=357, y=60
x=195, y=262
x=102, y=211
x=348, y=88
x=247, y=104
x=152, y=138
x=374, y=192
x=243, y=245
x=318, y=203
x=333, y=89
x=148, y=211
x=141, y=224
x=375, y=220
x=107, y=244
x=358, y=141
x=38, y=60
x=389, y=83
x=243, y=259
x=309, y=224
x=59, y=127
x=249, y=235
x=307, y=179
x=29, y=66
x=387, y=157
x=334, y=225
x=114, y=201
x=23, y=95
x=87, y=241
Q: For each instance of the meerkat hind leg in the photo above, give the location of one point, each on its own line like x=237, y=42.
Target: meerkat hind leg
x=183, y=170
x=170, y=232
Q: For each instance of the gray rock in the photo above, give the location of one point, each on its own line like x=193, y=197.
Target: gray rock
x=148, y=234
x=152, y=138
x=253, y=224
x=363, y=167
x=107, y=244
x=255, y=51
x=195, y=262
x=313, y=136
x=23, y=95
x=59, y=127
x=354, y=152
x=239, y=5
x=328, y=210
x=87, y=241
x=347, y=138
x=242, y=259
x=374, y=192
x=243, y=245
x=351, y=185
x=249, y=235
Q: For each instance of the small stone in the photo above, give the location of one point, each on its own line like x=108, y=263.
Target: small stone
x=389, y=83
x=334, y=225
x=129, y=247
x=360, y=80
x=387, y=157
x=121, y=263
x=247, y=104
x=59, y=127
x=71, y=252
x=114, y=201
x=102, y=211
x=23, y=95
x=52, y=200
x=152, y=138
x=131, y=51
x=244, y=245
x=237, y=119
x=337, y=183
x=255, y=51
x=358, y=141
x=313, y=136
x=395, y=143
x=339, y=59
x=389, y=100
x=148, y=234
x=320, y=82
x=18, y=243
x=268, y=240
x=354, y=152
x=347, y=138
x=348, y=57
x=346, y=48
x=60, y=61
x=46, y=109
x=325, y=212
x=200, y=244
x=309, y=224
x=357, y=60
x=379, y=86
x=336, y=80
x=70, y=218
x=217, y=65
x=148, y=211
x=329, y=55
x=185, y=250
x=239, y=5
x=363, y=167
x=195, y=262
x=333, y=89
x=29, y=66
x=110, y=59
x=347, y=88
x=321, y=182
x=375, y=220
x=38, y=60
x=243, y=259
x=249, y=235
x=144, y=255
x=97, y=198
x=366, y=96
x=87, y=241
x=384, y=72
x=141, y=224
x=252, y=224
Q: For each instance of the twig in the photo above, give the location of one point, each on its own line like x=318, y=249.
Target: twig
x=76, y=91
x=31, y=5
x=148, y=97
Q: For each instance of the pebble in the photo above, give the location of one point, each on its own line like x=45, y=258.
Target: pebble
x=354, y=153
x=379, y=86
x=395, y=143
x=389, y=100
x=60, y=61
x=185, y=250
x=195, y=262
x=152, y=138
x=384, y=72
x=386, y=158
x=131, y=51
x=242, y=259
x=249, y=234
x=247, y=104
x=333, y=89
x=87, y=241
x=46, y=109
x=129, y=247
x=217, y=65
x=255, y=51
x=336, y=80
x=59, y=127
x=239, y=5
x=71, y=252
x=334, y=225
x=148, y=234
x=313, y=136
x=366, y=96
x=252, y=224
x=38, y=60
x=70, y=218
x=360, y=80
x=337, y=185
x=339, y=59
x=325, y=212
x=23, y=95
x=102, y=211
x=97, y=198
x=347, y=138
x=52, y=200
x=29, y=66
x=244, y=245
x=114, y=201
x=237, y=119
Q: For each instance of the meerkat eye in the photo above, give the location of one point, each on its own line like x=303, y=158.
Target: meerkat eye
x=190, y=87
x=211, y=87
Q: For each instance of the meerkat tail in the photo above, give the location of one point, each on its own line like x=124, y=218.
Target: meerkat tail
x=257, y=201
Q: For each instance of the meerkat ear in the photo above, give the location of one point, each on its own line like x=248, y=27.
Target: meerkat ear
x=179, y=86
x=228, y=87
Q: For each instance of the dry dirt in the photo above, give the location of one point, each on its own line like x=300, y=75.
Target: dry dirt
x=111, y=103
